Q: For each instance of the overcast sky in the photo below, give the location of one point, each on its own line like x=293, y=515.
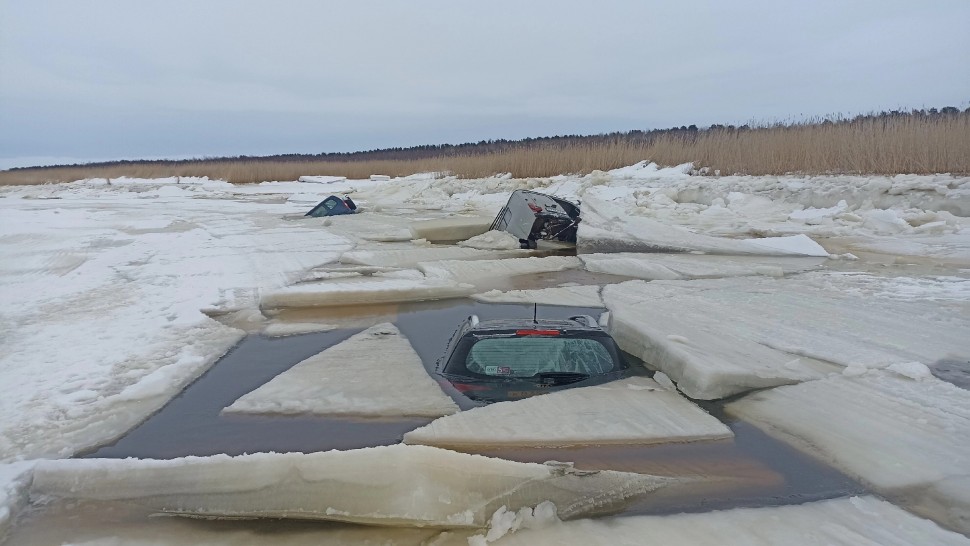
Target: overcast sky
x=100, y=79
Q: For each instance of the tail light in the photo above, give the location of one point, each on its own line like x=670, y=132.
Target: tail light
x=537, y=332
x=467, y=387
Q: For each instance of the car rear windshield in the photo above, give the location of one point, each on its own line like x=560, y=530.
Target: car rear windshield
x=528, y=356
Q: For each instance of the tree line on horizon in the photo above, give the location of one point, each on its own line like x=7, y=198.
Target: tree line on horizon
x=492, y=146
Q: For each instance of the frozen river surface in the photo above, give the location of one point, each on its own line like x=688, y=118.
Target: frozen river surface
x=135, y=312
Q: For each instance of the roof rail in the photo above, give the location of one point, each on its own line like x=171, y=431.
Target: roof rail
x=587, y=320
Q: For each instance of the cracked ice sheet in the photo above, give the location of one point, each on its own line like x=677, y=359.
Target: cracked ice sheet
x=410, y=257
x=105, y=326
x=632, y=411
x=657, y=266
x=393, y=485
x=574, y=296
x=837, y=522
x=907, y=439
x=718, y=337
x=607, y=226
x=375, y=373
x=490, y=269
x=363, y=291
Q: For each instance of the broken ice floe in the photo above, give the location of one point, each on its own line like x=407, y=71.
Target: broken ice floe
x=393, y=485
x=456, y=228
x=14, y=482
x=718, y=337
x=657, y=266
x=607, y=227
x=485, y=269
x=837, y=522
x=492, y=240
x=283, y=329
x=412, y=256
x=574, y=296
x=908, y=439
x=363, y=291
x=322, y=179
x=632, y=411
x=375, y=373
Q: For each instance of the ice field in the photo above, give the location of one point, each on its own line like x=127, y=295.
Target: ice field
x=842, y=302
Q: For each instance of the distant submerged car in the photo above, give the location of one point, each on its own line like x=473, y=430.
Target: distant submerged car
x=509, y=359
x=531, y=216
x=333, y=206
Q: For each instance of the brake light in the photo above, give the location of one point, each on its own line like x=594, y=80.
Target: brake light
x=537, y=332
x=466, y=387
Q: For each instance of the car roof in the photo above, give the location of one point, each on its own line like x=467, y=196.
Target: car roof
x=582, y=323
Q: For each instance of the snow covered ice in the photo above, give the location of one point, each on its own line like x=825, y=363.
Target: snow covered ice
x=363, y=291
x=394, y=485
x=102, y=298
x=632, y=411
x=109, y=290
x=575, y=296
x=900, y=430
x=839, y=522
x=489, y=269
x=656, y=266
x=375, y=373
x=413, y=256
x=719, y=337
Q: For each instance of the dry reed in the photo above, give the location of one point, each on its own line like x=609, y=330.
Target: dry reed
x=869, y=145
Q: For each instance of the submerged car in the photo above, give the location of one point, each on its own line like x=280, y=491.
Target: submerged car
x=531, y=216
x=333, y=206
x=497, y=360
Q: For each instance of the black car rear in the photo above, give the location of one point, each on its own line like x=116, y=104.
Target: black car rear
x=511, y=359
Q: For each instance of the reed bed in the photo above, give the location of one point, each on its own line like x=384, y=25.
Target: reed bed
x=911, y=144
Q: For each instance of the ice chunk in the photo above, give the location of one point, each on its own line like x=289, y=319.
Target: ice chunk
x=657, y=266
x=754, y=332
x=884, y=221
x=608, y=227
x=575, y=296
x=713, y=362
x=908, y=440
x=412, y=256
x=838, y=522
x=375, y=373
x=363, y=291
x=794, y=244
x=504, y=522
x=462, y=270
x=14, y=481
x=393, y=485
x=814, y=216
x=322, y=179
x=632, y=411
x=916, y=371
x=456, y=228
x=282, y=329
x=492, y=240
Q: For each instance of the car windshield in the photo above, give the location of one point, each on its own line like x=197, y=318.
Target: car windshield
x=528, y=356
